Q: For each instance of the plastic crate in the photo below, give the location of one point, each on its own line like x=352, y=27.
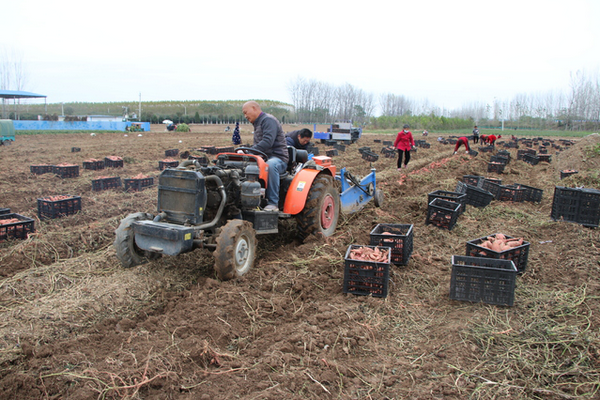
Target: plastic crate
x=568, y=172
x=75, y=149
x=492, y=185
x=544, y=158
x=486, y=149
x=511, y=193
x=518, y=255
x=500, y=159
x=476, y=197
x=521, y=153
x=164, y=164
x=331, y=152
x=40, y=169
x=4, y=211
x=443, y=213
x=473, y=153
x=208, y=149
x=496, y=167
x=474, y=180
x=106, y=183
x=15, y=230
x=531, y=159
x=93, y=165
x=398, y=237
x=530, y=193
x=366, y=278
x=486, y=280
x=66, y=171
x=113, y=162
x=565, y=204
x=370, y=156
x=363, y=149
x=449, y=196
x=50, y=209
x=203, y=160
x=137, y=184
x=388, y=143
x=171, y=152
x=589, y=208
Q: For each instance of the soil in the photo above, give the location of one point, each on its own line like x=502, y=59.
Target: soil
x=76, y=325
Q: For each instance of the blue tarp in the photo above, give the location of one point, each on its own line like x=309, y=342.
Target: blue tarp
x=77, y=125
x=18, y=94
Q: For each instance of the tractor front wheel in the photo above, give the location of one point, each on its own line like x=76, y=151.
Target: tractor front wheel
x=322, y=209
x=236, y=249
x=127, y=251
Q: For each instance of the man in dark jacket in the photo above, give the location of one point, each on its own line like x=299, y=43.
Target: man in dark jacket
x=270, y=139
x=299, y=139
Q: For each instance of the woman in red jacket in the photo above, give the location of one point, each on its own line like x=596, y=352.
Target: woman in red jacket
x=404, y=143
x=463, y=141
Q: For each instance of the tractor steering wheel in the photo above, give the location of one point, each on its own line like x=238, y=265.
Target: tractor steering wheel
x=253, y=151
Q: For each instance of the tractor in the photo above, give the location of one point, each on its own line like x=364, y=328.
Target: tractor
x=218, y=206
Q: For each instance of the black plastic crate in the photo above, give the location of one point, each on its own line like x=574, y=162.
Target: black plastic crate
x=363, y=149
x=531, y=194
x=209, y=149
x=66, y=171
x=369, y=156
x=492, y=185
x=496, y=167
x=473, y=153
x=40, y=169
x=93, y=164
x=511, y=193
x=100, y=184
x=17, y=229
x=544, y=158
x=443, y=213
x=340, y=147
x=366, y=278
x=476, y=197
x=449, y=196
x=164, y=164
x=486, y=149
x=565, y=204
x=531, y=159
x=519, y=255
x=521, y=153
x=4, y=211
x=75, y=149
x=202, y=160
x=388, y=143
x=500, y=159
x=589, y=208
x=137, y=184
x=113, y=162
x=171, y=152
x=567, y=172
x=331, y=152
x=486, y=280
x=58, y=206
x=398, y=237
x=474, y=180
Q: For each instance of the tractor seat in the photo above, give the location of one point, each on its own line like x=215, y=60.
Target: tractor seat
x=295, y=157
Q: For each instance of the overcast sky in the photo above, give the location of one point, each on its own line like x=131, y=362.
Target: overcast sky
x=451, y=53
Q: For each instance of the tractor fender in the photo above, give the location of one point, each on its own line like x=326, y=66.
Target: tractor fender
x=295, y=198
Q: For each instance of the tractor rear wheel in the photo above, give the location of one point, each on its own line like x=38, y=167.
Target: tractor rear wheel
x=127, y=251
x=236, y=249
x=322, y=209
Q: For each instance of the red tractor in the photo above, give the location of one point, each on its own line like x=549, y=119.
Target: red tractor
x=217, y=207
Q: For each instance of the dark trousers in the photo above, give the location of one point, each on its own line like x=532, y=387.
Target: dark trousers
x=406, y=158
x=475, y=139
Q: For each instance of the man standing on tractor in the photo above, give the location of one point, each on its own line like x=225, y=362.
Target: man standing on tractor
x=299, y=139
x=269, y=139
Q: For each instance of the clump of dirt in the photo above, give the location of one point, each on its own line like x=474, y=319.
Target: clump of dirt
x=581, y=156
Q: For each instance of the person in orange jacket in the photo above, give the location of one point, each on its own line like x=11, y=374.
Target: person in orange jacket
x=460, y=142
x=404, y=143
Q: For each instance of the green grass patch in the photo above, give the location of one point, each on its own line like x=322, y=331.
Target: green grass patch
x=59, y=132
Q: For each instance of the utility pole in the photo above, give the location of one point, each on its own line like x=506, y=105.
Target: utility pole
x=140, y=108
